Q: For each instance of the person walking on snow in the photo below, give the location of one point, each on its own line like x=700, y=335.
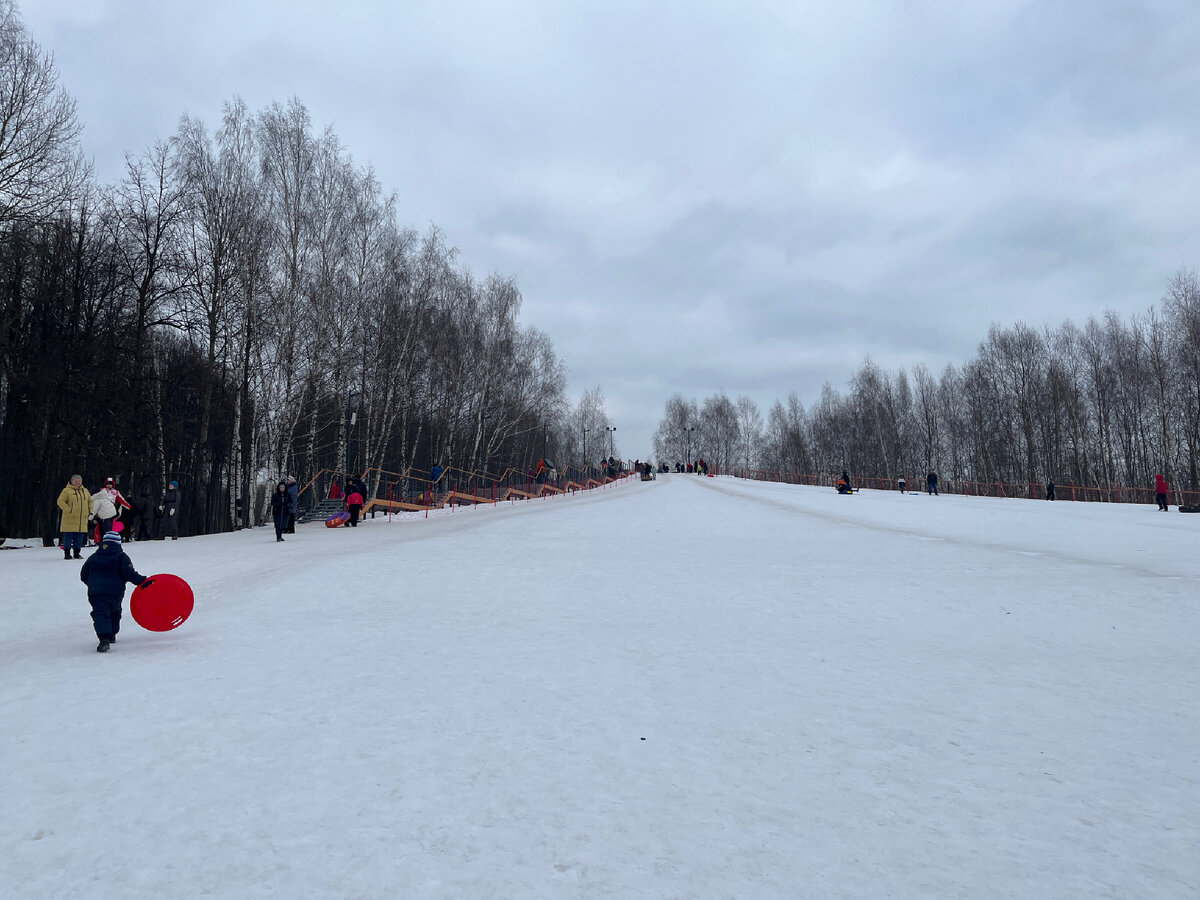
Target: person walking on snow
x=144, y=514
x=105, y=505
x=105, y=573
x=931, y=483
x=293, y=492
x=1049, y=490
x=76, y=505
x=901, y=483
x=1160, y=492
x=279, y=509
x=168, y=518
x=354, y=505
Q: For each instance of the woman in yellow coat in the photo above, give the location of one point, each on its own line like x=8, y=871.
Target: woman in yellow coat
x=75, y=501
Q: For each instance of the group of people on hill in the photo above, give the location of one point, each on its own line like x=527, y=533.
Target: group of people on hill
x=544, y=470
x=84, y=512
x=1161, y=488
x=109, y=569
x=355, y=491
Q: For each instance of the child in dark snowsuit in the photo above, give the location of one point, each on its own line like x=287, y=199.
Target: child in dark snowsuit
x=105, y=573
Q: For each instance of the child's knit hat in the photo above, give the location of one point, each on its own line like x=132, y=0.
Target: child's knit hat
x=114, y=536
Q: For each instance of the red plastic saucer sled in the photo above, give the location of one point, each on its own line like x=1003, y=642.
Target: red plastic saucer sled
x=163, y=605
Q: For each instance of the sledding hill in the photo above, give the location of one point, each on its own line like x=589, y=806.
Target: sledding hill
x=689, y=687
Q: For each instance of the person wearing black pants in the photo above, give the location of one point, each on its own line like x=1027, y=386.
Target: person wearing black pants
x=1160, y=493
x=280, y=504
x=168, y=523
x=105, y=573
x=354, y=505
x=293, y=494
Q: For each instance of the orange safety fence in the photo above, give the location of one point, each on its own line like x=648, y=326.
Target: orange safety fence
x=417, y=489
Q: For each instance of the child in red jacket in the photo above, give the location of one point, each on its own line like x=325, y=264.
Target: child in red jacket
x=354, y=503
x=1160, y=492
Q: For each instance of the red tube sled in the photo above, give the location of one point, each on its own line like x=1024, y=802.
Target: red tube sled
x=337, y=519
x=161, y=602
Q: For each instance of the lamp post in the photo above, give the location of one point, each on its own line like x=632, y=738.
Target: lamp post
x=610, y=429
x=689, y=431
x=352, y=408
x=585, y=456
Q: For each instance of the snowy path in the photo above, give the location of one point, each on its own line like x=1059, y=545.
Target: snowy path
x=688, y=688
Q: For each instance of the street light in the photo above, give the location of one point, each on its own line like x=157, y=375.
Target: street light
x=689, y=431
x=352, y=408
x=610, y=429
x=585, y=456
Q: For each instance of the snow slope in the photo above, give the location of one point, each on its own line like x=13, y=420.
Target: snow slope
x=694, y=687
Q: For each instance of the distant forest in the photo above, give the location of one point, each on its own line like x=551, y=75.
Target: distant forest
x=243, y=304
x=1111, y=403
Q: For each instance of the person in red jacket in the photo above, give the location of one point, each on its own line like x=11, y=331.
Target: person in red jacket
x=1160, y=492
x=354, y=504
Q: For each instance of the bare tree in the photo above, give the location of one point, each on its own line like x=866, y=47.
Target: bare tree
x=41, y=166
x=672, y=438
x=750, y=436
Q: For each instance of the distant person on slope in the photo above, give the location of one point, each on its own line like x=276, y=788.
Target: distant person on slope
x=280, y=503
x=76, y=505
x=293, y=492
x=1160, y=492
x=168, y=513
x=931, y=481
x=105, y=503
x=1049, y=490
x=354, y=505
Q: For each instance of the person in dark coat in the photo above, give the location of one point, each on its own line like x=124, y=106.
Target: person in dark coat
x=1049, y=490
x=144, y=515
x=931, y=483
x=293, y=492
x=168, y=513
x=279, y=509
x=105, y=573
x=1161, y=488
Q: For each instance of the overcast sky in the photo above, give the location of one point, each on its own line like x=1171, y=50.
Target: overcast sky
x=695, y=196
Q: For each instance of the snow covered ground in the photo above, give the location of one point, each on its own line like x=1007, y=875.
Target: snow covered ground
x=694, y=687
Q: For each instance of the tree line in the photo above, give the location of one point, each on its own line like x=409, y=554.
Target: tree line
x=242, y=304
x=1110, y=403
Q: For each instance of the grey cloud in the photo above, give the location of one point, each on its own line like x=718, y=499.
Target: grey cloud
x=748, y=197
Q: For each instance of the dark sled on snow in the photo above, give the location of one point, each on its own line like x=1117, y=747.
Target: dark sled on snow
x=1192, y=508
